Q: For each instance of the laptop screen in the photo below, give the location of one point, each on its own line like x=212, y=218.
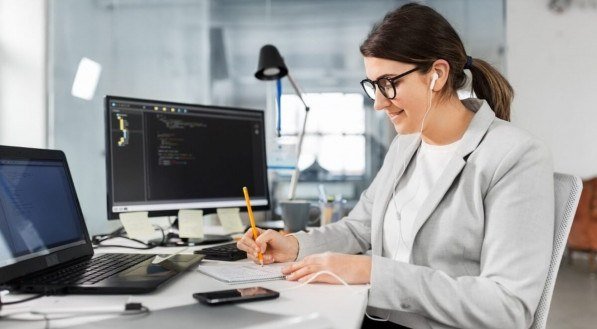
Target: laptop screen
x=38, y=210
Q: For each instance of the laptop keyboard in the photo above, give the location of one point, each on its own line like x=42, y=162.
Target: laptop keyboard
x=227, y=252
x=91, y=271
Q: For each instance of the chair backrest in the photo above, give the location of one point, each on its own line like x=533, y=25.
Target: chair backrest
x=567, y=194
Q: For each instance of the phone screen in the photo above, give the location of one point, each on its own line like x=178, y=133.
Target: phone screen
x=236, y=295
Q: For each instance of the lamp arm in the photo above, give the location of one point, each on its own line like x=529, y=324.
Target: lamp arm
x=297, y=90
x=296, y=172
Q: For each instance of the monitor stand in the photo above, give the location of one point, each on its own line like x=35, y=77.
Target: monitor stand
x=173, y=240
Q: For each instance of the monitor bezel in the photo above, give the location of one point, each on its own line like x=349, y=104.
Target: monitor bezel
x=173, y=212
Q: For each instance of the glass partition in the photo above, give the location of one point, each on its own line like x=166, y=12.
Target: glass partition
x=205, y=52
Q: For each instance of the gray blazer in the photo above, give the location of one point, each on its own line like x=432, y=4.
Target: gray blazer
x=483, y=237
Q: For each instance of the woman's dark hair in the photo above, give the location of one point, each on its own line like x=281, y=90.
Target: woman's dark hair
x=419, y=35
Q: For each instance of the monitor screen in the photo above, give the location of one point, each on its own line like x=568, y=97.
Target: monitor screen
x=164, y=156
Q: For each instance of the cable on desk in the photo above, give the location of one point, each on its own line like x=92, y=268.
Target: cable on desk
x=97, y=240
x=146, y=246
x=130, y=308
x=20, y=301
x=335, y=276
x=330, y=273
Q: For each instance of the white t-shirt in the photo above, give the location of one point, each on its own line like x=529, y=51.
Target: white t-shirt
x=412, y=190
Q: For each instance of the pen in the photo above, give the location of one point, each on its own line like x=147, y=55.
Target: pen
x=252, y=220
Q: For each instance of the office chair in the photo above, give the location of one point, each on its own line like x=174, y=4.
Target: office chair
x=567, y=194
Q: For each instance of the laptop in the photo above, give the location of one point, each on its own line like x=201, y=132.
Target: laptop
x=44, y=243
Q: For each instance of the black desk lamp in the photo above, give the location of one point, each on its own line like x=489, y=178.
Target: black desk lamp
x=272, y=67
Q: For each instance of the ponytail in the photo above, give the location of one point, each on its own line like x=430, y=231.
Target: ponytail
x=490, y=85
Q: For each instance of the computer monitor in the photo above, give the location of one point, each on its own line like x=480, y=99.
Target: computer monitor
x=165, y=156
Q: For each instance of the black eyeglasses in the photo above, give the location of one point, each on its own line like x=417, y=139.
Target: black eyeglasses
x=386, y=85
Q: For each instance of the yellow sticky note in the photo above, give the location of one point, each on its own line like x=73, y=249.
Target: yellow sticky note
x=137, y=225
x=230, y=220
x=190, y=223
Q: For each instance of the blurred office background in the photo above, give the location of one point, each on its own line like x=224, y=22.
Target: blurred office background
x=202, y=51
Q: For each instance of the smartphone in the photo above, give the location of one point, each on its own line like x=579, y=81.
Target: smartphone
x=235, y=295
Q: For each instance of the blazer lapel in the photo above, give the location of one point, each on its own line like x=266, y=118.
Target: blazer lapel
x=407, y=146
x=439, y=190
x=470, y=140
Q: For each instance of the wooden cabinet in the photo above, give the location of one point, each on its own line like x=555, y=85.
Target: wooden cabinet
x=583, y=234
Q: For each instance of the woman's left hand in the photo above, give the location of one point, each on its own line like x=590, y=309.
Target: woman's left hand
x=355, y=269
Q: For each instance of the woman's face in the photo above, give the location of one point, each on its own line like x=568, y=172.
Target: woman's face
x=407, y=109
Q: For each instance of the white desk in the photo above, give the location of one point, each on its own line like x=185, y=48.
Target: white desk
x=337, y=305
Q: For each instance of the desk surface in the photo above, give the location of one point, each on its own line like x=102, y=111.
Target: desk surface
x=336, y=305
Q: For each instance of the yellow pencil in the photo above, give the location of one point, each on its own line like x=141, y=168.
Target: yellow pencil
x=252, y=220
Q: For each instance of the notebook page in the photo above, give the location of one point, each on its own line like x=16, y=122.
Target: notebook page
x=243, y=272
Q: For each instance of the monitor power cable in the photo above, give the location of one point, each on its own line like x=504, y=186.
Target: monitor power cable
x=97, y=240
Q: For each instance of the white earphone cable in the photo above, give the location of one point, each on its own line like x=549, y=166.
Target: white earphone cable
x=428, y=108
x=330, y=273
x=399, y=215
x=335, y=276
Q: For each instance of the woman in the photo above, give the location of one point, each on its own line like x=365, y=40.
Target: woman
x=456, y=229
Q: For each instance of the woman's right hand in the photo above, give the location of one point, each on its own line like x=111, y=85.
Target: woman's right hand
x=274, y=246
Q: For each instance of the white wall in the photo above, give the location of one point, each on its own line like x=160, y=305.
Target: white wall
x=22, y=73
x=552, y=65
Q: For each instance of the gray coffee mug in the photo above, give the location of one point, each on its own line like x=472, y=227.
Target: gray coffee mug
x=295, y=214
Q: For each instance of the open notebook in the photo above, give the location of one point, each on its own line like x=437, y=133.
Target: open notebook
x=243, y=272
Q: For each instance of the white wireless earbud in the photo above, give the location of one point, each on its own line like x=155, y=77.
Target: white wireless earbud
x=434, y=78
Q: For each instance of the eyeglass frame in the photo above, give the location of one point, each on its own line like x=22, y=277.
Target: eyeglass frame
x=391, y=80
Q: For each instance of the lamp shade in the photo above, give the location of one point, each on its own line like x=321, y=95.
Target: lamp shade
x=271, y=65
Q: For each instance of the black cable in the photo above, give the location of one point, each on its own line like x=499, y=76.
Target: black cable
x=146, y=246
x=97, y=240
x=123, y=246
x=20, y=301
